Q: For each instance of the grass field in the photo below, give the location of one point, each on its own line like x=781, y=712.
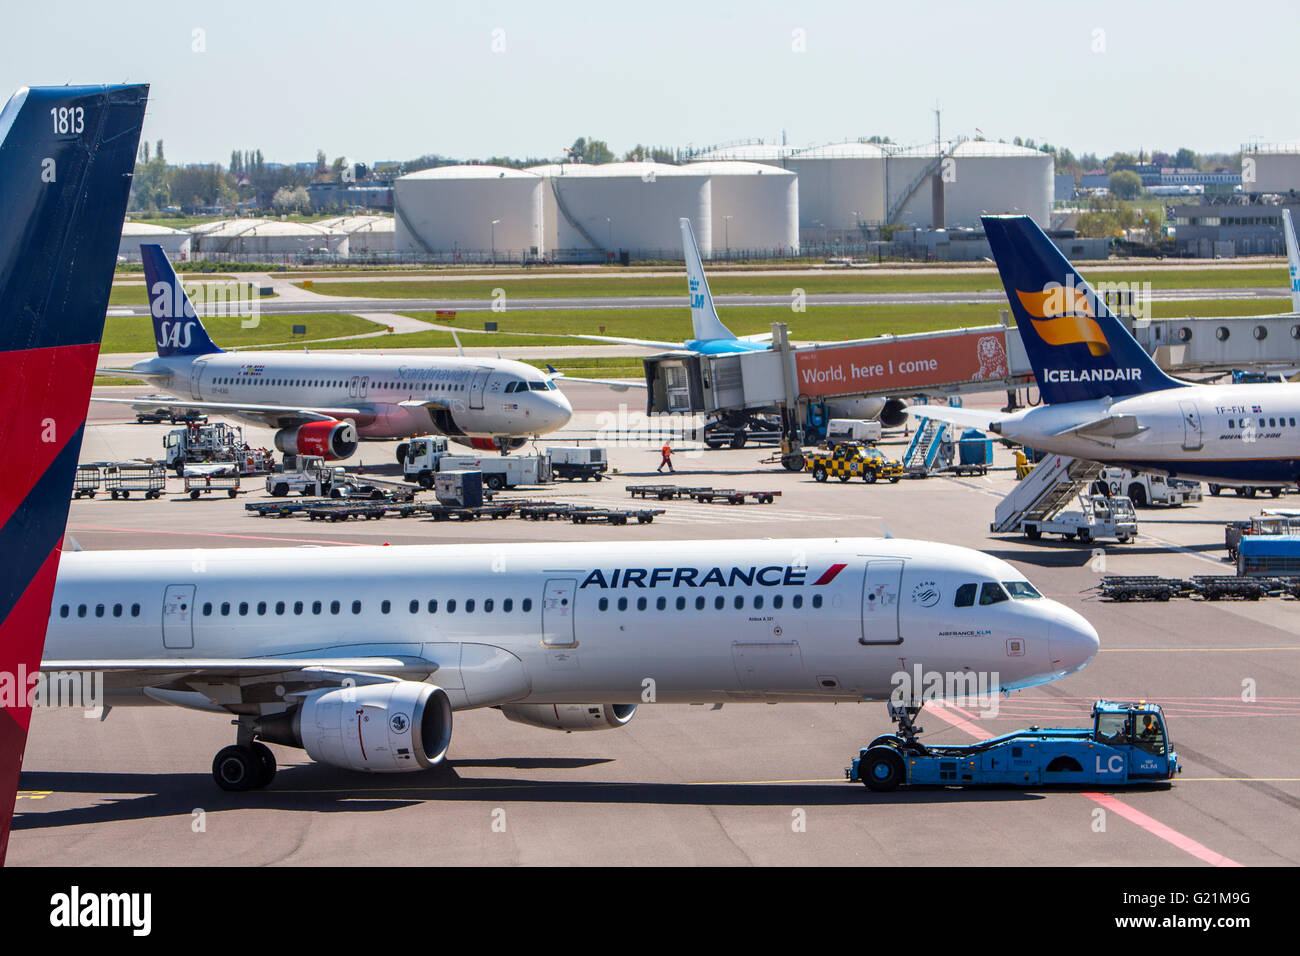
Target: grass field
x=139, y=295
x=134, y=333
x=834, y=282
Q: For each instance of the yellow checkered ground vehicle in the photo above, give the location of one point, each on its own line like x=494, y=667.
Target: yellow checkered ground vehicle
x=853, y=461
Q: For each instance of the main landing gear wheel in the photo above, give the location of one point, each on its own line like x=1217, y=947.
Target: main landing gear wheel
x=266, y=762
x=881, y=769
x=238, y=768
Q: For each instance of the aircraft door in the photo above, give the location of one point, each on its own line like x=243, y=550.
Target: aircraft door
x=557, y=613
x=178, y=615
x=476, y=386
x=881, y=587
x=196, y=375
x=354, y=383
x=1192, y=439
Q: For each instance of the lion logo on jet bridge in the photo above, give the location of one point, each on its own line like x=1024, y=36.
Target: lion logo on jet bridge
x=993, y=357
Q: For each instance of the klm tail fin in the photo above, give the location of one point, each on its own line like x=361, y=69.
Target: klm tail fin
x=704, y=317
x=1077, y=348
x=176, y=326
x=1292, y=258
x=66, y=158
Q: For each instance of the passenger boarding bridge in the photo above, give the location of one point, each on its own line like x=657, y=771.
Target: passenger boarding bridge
x=788, y=379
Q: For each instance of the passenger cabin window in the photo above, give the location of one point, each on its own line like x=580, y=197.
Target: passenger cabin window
x=991, y=593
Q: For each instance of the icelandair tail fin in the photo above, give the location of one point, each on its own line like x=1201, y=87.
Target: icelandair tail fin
x=1077, y=348
x=66, y=158
x=176, y=326
x=1292, y=258
x=704, y=317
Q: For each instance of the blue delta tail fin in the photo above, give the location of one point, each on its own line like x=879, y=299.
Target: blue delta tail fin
x=1078, y=349
x=66, y=160
x=176, y=326
x=704, y=317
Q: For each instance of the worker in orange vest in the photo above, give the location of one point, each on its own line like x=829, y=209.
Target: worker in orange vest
x=667, y=453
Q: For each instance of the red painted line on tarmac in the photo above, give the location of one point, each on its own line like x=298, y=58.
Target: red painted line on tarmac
x=1168, y=834
x=214, y=534
x=1150, y=824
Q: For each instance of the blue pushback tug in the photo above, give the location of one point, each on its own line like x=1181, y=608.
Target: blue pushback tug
x=1126, y=745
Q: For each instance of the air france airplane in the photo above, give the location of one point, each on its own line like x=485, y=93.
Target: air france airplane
x=322, y=403
x=66, y=157
x=359, y=655
x=1106, y=400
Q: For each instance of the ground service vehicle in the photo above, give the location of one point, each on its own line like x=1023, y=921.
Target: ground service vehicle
x=1127, y=744
x=852, y=461
x=570, y=462
x=501, y=471
x=1097, y=517
x=840, y=431
x=419, y=459
x=203, y=444
x=1140, y=487
x=308, y=475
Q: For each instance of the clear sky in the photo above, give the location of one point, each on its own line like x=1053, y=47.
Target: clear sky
x=394, y=80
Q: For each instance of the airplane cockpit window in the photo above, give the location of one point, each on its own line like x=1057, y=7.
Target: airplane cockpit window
x=965, y=595
x=1021, y=590
x=991, y=593
x=537, y=386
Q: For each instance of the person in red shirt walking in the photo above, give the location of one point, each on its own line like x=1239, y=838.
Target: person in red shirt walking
x=667, y=453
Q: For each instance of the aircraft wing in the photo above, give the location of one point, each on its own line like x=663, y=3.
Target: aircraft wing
x=237, y=684
x=969, y=417
x=132, y=373
x=273, y=416
x=648, y=343
x=617, y=384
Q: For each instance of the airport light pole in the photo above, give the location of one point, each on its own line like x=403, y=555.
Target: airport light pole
x=494, y=240
x=609, y=238
x=726, y=227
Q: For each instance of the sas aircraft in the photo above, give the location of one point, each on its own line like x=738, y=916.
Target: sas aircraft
x=323, y=403
x=1106, y=400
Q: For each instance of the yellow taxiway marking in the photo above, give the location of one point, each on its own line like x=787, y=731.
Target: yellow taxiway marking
x=33, y=794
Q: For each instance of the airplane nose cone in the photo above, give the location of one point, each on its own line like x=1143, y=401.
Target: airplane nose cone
x=554, y=412
x=1072, y=641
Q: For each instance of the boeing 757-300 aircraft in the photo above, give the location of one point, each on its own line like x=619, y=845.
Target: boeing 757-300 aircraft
x=1106, y=400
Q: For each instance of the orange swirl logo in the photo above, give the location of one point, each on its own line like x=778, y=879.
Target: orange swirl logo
x=1062, y=315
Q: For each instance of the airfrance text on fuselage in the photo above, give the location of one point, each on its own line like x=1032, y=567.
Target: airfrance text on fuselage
x=772, y=576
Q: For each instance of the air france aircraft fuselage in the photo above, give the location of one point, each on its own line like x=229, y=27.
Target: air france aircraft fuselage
x=271, y=635
x=322, y=403
x=1106, y=400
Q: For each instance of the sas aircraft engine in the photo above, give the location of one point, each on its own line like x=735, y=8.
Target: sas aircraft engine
x=392, y=727
x=570, y=717
x=330, y=440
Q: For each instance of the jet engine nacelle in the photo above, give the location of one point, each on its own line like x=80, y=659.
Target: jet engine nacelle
x=570, y=717
x=392, y=727
x=331, y=440
x=894, y=414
